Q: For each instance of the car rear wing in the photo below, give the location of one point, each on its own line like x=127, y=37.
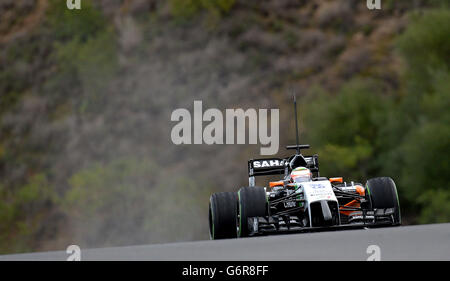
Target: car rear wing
x=277, y=166
x=266, y=167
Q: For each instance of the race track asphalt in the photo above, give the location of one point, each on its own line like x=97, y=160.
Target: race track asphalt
x=419, y=242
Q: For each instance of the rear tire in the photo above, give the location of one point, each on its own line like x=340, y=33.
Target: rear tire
x=252, y=203
x=383, y=194
x=223, y=215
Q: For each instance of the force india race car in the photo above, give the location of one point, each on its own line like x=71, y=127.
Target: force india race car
x=301, y=201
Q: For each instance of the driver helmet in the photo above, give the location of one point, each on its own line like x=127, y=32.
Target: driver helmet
x=301, y=174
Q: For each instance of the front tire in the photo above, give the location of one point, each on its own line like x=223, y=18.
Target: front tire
x=383, y=194
x=223, y=215
x=252, y=203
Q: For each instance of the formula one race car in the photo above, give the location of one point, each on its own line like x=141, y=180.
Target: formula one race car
x=301, y=201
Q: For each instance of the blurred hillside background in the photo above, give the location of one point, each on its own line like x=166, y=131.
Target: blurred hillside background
x=86, y=97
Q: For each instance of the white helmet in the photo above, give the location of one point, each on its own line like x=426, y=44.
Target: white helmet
x=301, y=174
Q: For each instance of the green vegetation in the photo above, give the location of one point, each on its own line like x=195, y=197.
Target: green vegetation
x=82, y=57
x=68, y=24
x=84, y=54
x=21, y=212
x=127, y=191
x=346, y=127
x=184, y=10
